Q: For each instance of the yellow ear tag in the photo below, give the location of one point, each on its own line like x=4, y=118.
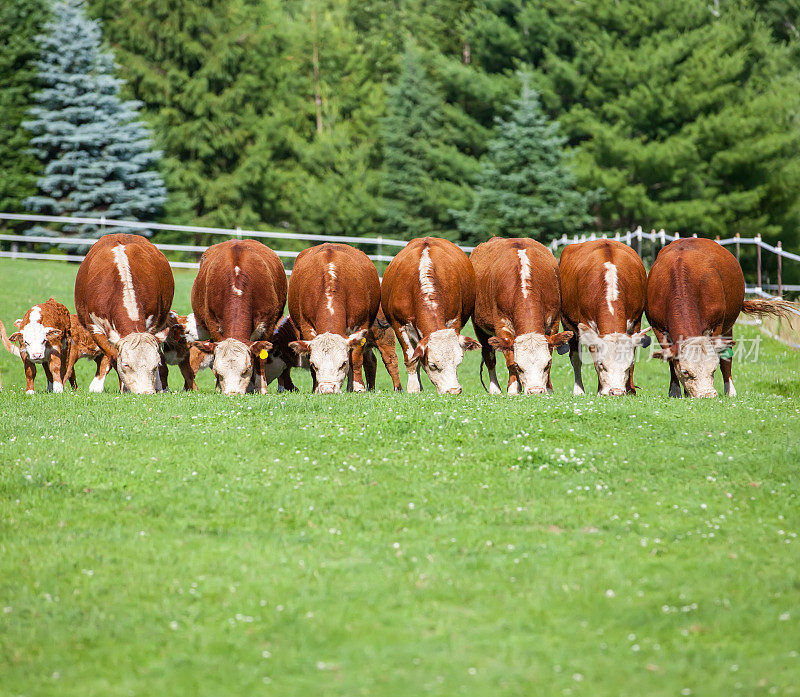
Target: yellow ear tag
x=264, y=354
x=363, y=341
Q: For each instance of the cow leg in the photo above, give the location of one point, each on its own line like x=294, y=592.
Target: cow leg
x=356, y=365
x=513, y=378
x=389, y=358
x=313, y=379
x=726, y=366
x=261, y=367
x=72, y=359
x=188, y=376
x=575, y=359
x=30, y=376
x=412, y=367
x=674, y=383
x=103, y=368
x=630, y=388
x=490, y=359
x=49, y=375
x=56, y=372
x=163, y=375
x=370, y=368
x=285, y=383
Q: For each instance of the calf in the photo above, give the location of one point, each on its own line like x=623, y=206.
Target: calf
x=517, y=311
x=178, y=351
x=123, y=293
x=334, y=297
x=695, y=292
x=428, y=294
x=237, y=298
x=82, y=345
x=43, y=336
x=380, y=336
x=602, y=300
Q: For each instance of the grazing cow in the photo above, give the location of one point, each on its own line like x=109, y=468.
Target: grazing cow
x=517, y=311
x=178, y=351
x=603, y=286
x=428, y=294
x=43, y=335
x=123, y=293
x=82, y=345
x=695, y=292
x=334, y=297
x=237, y=298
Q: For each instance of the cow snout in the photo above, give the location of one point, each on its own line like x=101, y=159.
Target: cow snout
x=536, y=390
x=327, y=388
x=453, y=390
x=709, y=394
x=616, y=392
x=36, y=356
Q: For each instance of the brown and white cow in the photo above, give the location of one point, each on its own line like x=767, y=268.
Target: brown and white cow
x=695, y=292
x=603, y=284
x=42, y=337
x=177, y=350
x=334, y=297
x=428, y=294
x=517, y=311
x=82, y=345
x=381, y=337
x=123, y=293
x=237, y=298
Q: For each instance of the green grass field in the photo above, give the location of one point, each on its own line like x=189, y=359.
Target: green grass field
x=382, y=544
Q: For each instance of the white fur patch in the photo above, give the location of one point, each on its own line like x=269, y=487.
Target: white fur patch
x=331, y=268
x=34, y=336
x=524, y=272
x=100, y=325
x=236, y=290
x=425, y=279
x=128, y=293
x=612, y=285
x=237, y=270
x=97, y=384
x=58, y=387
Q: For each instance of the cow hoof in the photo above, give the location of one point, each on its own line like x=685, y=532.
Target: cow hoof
x=495, y=389
x=730, y=390
x=675, y=391
x=513, y=388
x=58, y=388
x=577, y=390
x=358, y=387
x=96, y=385
x=29, y=392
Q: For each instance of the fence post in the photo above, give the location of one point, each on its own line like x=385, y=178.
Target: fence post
x=14, y=249
x=780, y=267
x=638, y=234
x=758, y=262
x=678, y=235
x=737, y=236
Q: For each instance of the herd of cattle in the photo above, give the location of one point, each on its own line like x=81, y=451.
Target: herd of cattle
x=514, y=290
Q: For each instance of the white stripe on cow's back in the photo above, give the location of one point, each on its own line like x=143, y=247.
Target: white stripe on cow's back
x=425, y=280
x=612, y=285
x=331, y=269
x=524, y=272
x=128, y=293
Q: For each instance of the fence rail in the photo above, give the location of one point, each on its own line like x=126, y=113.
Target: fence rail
x=632, y=238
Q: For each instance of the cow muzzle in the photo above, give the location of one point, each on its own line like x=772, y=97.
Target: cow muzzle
x=453, y=390
x=536, y=390
x=616, y=392
x=327, y=388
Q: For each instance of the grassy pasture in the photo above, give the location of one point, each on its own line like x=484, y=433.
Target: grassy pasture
x=382, y=544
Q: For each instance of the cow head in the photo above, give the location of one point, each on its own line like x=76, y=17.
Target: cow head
x=441, y=352
x=138, y=359
x=695, y=361
x=35, y=339
x=329, y=355
x=613, y=356
x=233, y=362
x=532, y=356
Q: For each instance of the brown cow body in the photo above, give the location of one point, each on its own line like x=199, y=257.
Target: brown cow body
x=695, y=292
x=517, y=311
x=603, y=286
x=334, y=297
x=427, y=295
x=237, y=298
x=43, y=337
x=82, y=345
x=123, y=293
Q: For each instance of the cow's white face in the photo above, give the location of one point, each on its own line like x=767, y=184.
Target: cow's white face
x=696, y=362
x=138, y=359
x=533, y=357
x=233, y=366
x=329, y=355
x=441, y=353
x=35, y=337
x=613, y=356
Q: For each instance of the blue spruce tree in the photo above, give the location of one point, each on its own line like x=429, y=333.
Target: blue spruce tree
x=97, y=154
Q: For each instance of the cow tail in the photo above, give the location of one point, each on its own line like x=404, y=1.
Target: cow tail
x=481, y=374
x=13, y=350
x=774, y=308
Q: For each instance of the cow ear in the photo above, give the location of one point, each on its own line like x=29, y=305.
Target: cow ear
x=16, y=336
x=559, y=340
x=357, y=338
x=502, y=342
x=419, y=352
x=587, y=335
x=467, y=343
x=641, y=338
x=17, y=323
x=300, y=347
x=204, y=346
x=664, y=354
x=451, y=323
x=261, y=349
x=722, y=343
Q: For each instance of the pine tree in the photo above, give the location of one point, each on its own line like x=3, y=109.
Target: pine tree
x=20, y=22
x=526, y=187
x=97, y=155
x=424, y=176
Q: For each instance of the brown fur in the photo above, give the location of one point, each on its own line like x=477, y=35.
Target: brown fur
x=82, y=345
x=501, y=308
x=99, y=289
x=355, y=295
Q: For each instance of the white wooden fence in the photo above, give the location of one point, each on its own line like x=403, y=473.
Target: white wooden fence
x=375, y=245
